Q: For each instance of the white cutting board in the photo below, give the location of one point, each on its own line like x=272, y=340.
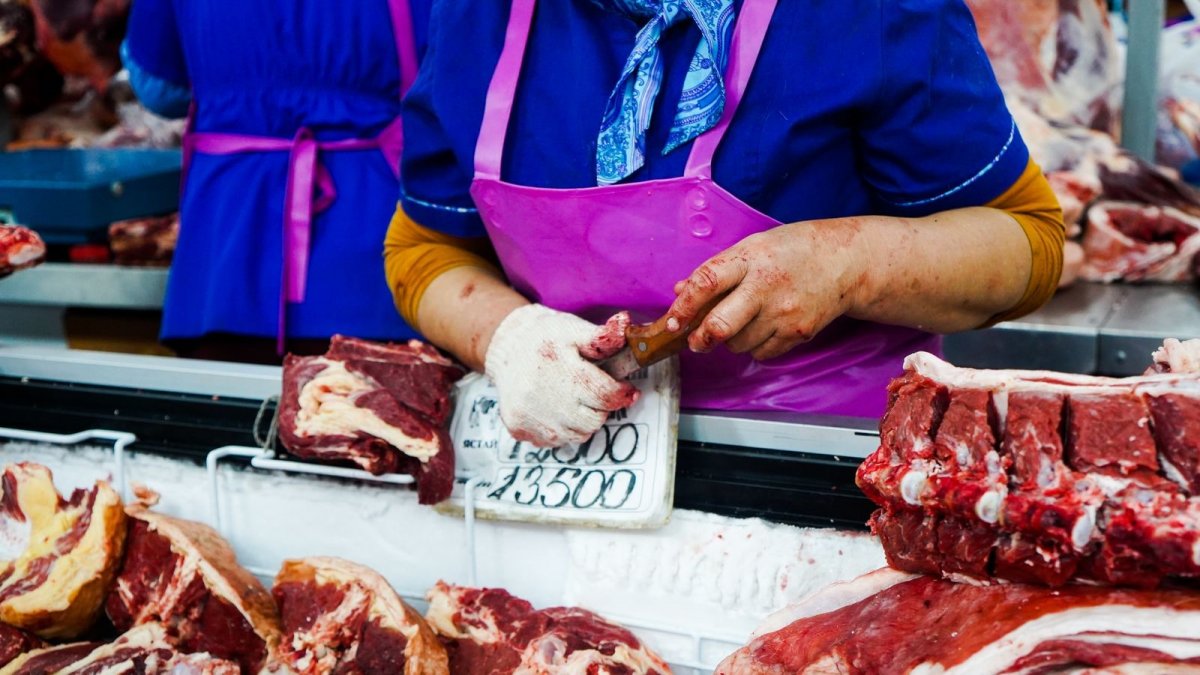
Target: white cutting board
x=623, y=477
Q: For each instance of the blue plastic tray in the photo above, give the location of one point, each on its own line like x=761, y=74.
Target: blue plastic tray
x=71, y=196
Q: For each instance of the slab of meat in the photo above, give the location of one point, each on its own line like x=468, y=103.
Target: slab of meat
x=59, y=555
x=145, y=649
x=1136, y=242
x=148, y=242
x=341, y=617
x=14, y=642
x=890, y=623
x=1038, y=477
x=183, y=575
x=381, y=406
x=20, y=248
x=1057, y=56
x=490, y=632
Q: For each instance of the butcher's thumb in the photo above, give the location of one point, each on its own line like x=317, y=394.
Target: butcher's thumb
x=604, y=341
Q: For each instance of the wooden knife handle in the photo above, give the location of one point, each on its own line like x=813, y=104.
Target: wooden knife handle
x=652, y=342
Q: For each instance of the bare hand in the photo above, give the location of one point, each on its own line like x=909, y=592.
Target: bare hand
x=785, y=285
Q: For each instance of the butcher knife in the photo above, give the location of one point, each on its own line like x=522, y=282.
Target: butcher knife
x=647, y=344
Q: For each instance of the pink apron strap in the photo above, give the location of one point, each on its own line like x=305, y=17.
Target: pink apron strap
x=489, y=150
x=752, y=23
x=297, y=221
x=406, y=42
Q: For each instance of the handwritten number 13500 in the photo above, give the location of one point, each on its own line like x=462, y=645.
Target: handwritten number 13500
x=569, y=486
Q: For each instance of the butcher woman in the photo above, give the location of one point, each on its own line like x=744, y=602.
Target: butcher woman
x=293, y=159
x=843, y=172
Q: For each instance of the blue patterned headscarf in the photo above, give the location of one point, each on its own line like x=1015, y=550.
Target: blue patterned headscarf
x=621, y=145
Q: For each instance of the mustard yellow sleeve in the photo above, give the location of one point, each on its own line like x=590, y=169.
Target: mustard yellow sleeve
x=1032, y=203
x=413, y=256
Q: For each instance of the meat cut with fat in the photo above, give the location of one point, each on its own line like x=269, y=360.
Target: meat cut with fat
x=20, y=248
x=183, y=575
x=383, y=407
x=144, y=242
x=490, y=632
x=145, y=649
x=341, y=617
x=15, y=642
x=1136, y=242
x=1038, y=477
x=891, y=623
x=61, y=553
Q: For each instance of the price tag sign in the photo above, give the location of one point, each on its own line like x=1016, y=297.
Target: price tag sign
x=623, y=476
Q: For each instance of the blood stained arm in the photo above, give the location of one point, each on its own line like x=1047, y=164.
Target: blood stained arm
x=947, y=272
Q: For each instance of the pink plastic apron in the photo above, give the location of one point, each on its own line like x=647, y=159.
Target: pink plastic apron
x=310, y=189
x=594, y=251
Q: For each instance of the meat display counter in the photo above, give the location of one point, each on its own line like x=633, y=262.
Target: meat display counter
x=1088, y=328
x=693, y=589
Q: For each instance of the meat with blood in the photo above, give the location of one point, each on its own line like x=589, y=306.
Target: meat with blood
x=20, y=248
x=891, y=623
x=14, y=642
x=144, y=649
x=383, y=407
x=144, y=242
x=490, y=632
x=341, y=617
x=1037, y=476
x=1127, y=240
x=63, y=553
x=183, y=575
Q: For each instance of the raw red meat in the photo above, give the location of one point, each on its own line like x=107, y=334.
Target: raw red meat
x=341, y=617
x=144, y=649
x=1038, y=477
x=490, y=632
x=61, y=554
x=20, y=248
x=183, y=575
x=14, y=642
x=146, y=242
x=890, y=623
x=1057, y=56
x=381, y=406
x=1126, y=240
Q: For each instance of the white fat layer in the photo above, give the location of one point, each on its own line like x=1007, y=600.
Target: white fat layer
x=442, y=608
x=378, y=608
x=1172, y=472
x=1002, y=382
x=992, y=461
x=912, y=485
x=25, y=255
x=327, y=407
x=1125, y=619
x=545, y=655
x=988, y=507
x=1182, y=648
x=962, y=453
x=834, y=597
x=1180, y=357
x=1084, y=529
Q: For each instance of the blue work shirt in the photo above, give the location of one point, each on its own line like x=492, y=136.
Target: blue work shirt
x=855, y=107
x=268, y=68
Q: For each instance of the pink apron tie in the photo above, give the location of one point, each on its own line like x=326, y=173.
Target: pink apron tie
x=310, y=189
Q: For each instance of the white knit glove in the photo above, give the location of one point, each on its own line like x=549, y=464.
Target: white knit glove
x=542, y=363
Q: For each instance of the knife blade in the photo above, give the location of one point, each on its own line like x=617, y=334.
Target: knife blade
x=647, y=344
